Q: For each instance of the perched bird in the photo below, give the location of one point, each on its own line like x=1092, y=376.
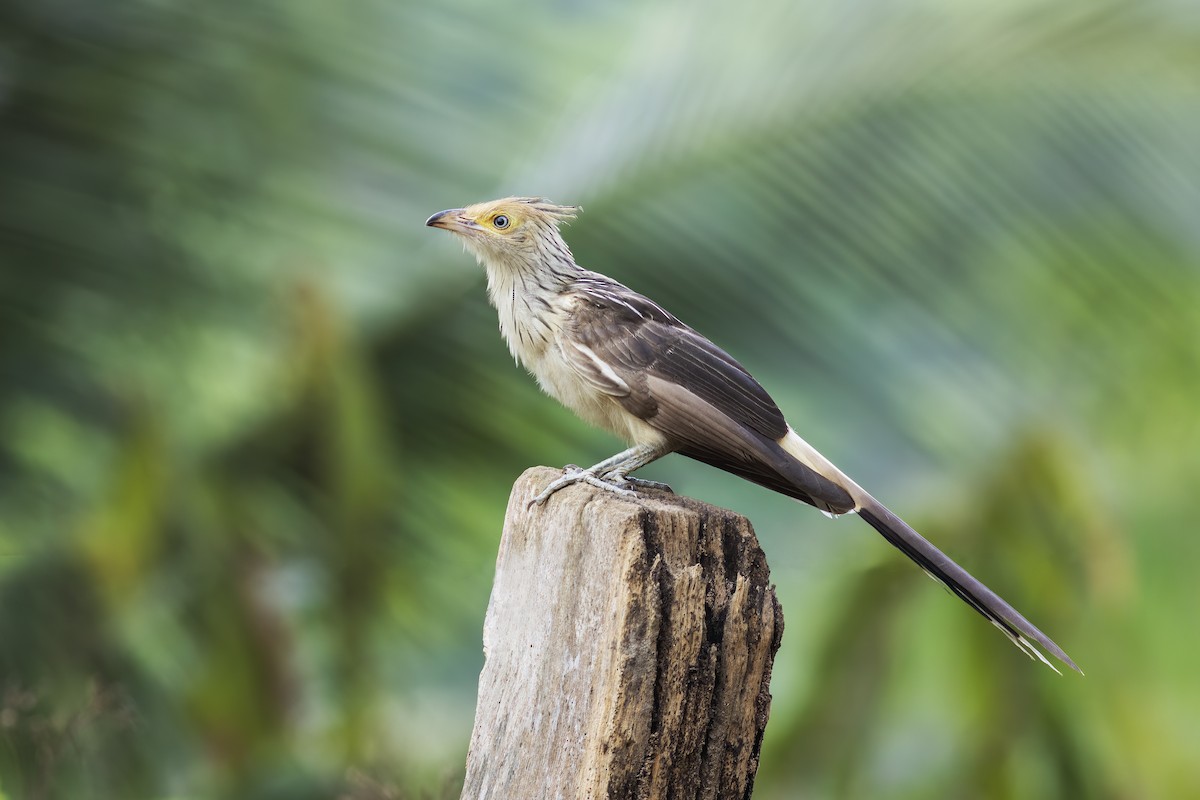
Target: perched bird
x=623, y=363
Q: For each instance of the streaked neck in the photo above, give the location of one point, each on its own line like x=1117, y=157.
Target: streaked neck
x=524, y=295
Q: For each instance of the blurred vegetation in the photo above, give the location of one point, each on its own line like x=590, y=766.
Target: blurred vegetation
x=258, y=429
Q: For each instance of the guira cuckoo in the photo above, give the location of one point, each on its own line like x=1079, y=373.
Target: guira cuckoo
x=622, y=362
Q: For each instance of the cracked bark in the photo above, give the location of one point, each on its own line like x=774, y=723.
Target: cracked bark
x=628, y=647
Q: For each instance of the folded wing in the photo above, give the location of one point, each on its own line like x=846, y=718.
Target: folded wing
x=705, y=403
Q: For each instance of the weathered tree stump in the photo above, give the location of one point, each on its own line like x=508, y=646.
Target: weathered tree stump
x=629, y=647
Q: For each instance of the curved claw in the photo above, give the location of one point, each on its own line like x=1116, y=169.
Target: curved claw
x=578, y=475
x=642, y=483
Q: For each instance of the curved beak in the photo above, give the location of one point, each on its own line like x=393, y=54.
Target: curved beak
x=454, y=220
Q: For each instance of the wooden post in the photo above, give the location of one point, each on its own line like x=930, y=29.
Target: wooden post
x=629, y=647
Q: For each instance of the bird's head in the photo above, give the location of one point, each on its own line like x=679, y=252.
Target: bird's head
x=515, y=231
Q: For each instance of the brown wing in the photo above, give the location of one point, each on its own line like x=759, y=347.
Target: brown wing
x=706, y=404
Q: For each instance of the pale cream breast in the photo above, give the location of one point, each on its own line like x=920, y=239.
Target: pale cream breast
x=558, y=379
x=532, y=329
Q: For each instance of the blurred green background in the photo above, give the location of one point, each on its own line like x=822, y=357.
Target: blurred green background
x=257, y=427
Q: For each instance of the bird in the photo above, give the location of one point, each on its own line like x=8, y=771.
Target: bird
x=625, y=364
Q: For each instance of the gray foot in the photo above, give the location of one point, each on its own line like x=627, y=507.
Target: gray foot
x=572, y=475
x=642, y=483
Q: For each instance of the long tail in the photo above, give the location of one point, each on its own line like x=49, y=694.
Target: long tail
x=1010, y=622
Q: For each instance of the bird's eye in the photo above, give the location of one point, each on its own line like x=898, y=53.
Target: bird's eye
x=500, y=221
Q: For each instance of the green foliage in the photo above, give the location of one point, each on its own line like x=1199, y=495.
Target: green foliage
x=258, y=428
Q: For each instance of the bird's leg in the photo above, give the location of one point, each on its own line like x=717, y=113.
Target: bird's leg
x=638, y=457
x=610, y=474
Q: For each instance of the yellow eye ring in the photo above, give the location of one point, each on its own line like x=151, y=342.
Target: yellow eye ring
x=500, y=222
